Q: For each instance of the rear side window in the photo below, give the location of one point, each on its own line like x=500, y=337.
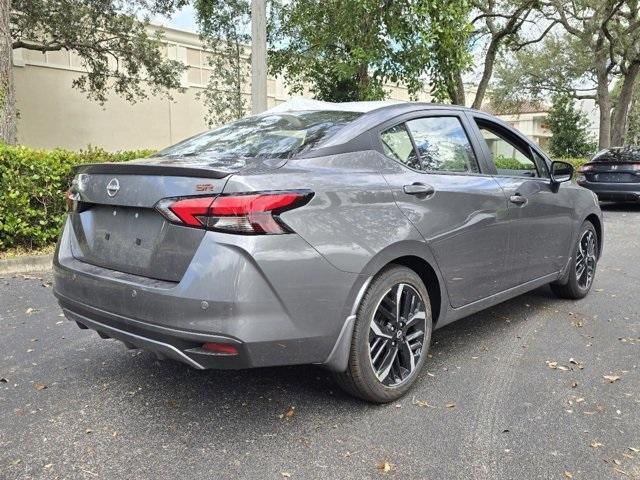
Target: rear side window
x=442, y=144
x=278, y=135
x=397, y=144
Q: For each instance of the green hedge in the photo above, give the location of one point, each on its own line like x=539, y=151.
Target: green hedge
x=32, y=186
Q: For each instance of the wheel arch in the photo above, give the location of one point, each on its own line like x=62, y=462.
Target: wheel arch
x=415, y=255
x=597, y=223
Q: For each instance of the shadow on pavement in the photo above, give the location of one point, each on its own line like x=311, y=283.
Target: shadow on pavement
x=255, y=399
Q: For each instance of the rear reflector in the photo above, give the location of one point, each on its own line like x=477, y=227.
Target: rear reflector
x=220, y=348
x=249, y=214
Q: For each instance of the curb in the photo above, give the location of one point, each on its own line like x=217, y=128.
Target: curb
x=26, y=264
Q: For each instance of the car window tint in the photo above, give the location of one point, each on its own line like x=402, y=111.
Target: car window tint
x=396, y=143
x=442, y=144
x=507, y=155
x=542, y=165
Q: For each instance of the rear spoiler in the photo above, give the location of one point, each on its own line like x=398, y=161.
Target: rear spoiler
x=126, y=168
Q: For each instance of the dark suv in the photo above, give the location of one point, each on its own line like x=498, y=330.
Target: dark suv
x=613, y=174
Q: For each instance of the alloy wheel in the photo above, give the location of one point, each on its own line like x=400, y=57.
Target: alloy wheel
x=586, y=259
x=396, y=334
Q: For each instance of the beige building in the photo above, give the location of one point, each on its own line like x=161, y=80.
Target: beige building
x=53, y=114
x=532, y=121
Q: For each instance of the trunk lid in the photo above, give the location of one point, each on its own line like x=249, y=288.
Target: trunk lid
x=116, y=225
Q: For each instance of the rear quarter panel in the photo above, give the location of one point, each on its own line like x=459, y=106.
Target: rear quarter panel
x=353, y=215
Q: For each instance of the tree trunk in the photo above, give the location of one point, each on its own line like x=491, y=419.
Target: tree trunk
x=456, y=91
x=487, y=72
x=604, y=105
x=619, y=122
x=7, y=92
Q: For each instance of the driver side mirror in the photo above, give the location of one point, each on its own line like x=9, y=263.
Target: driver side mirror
x=561, y=172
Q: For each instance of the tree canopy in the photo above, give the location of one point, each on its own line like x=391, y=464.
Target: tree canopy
x=349, y=49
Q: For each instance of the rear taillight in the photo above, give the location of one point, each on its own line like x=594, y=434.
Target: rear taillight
x=249, y=214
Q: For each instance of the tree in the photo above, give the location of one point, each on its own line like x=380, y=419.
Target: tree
x=497, y=25
x=596, y=42
x=568, y=126
x=349, y=49
x=111, y=37
x=225, y=30
x=7, y=91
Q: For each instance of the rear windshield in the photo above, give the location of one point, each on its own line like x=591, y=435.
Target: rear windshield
x=623, y=155
x=280, y=135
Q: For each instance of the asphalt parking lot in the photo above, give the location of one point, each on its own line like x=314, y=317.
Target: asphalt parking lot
x=535, y=388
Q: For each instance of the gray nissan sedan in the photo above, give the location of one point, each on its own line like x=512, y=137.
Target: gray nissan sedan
x=338, y=235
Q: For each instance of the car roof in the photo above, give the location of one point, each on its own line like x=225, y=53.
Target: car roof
x=300, y=104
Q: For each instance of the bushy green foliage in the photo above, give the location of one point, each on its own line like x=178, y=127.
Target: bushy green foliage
x=32, y=186
x=568, y=126
x=509, y=163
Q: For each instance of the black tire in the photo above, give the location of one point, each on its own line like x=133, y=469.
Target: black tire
x=574, y=286
x=360, y=378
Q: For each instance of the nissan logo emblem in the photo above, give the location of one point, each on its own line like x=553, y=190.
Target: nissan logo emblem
x=113, y=187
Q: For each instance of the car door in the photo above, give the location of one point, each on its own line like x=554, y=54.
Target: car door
x=439, y=185
x=539, y=212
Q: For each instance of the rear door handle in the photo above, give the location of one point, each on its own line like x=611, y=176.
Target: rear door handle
x=518, y=199
x=419, y=189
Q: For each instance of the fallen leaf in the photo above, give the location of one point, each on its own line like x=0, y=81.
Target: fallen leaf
x=574, y=384
x=595, y=444
x=39, y=386
x=88, y=430
x=563, y=368
x=421, y=403
x=634, y=450
x=575, y=362
x=291, y=411
x=611, y=378
x=450, y=405
x=286, y=474
x=29, y=311
x=3, y=380
x=620, y=471
x=385, y=466
x=568, y=475
x=552, y=365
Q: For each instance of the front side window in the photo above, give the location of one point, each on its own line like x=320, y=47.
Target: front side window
x=278, y=135
x=507, y=155
x=442, y=144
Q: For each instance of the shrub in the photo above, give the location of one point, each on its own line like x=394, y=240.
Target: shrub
x=32, y=186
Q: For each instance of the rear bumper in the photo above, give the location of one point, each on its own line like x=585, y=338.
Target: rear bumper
x=614, y=192
x=276, y=299
x=165, y=343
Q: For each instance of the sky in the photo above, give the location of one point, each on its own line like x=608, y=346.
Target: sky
x=184, y=20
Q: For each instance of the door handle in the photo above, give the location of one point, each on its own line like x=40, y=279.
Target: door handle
x=419, y=189
x=518, y=199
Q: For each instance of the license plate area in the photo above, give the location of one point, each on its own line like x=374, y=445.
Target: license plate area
x=133, y=240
